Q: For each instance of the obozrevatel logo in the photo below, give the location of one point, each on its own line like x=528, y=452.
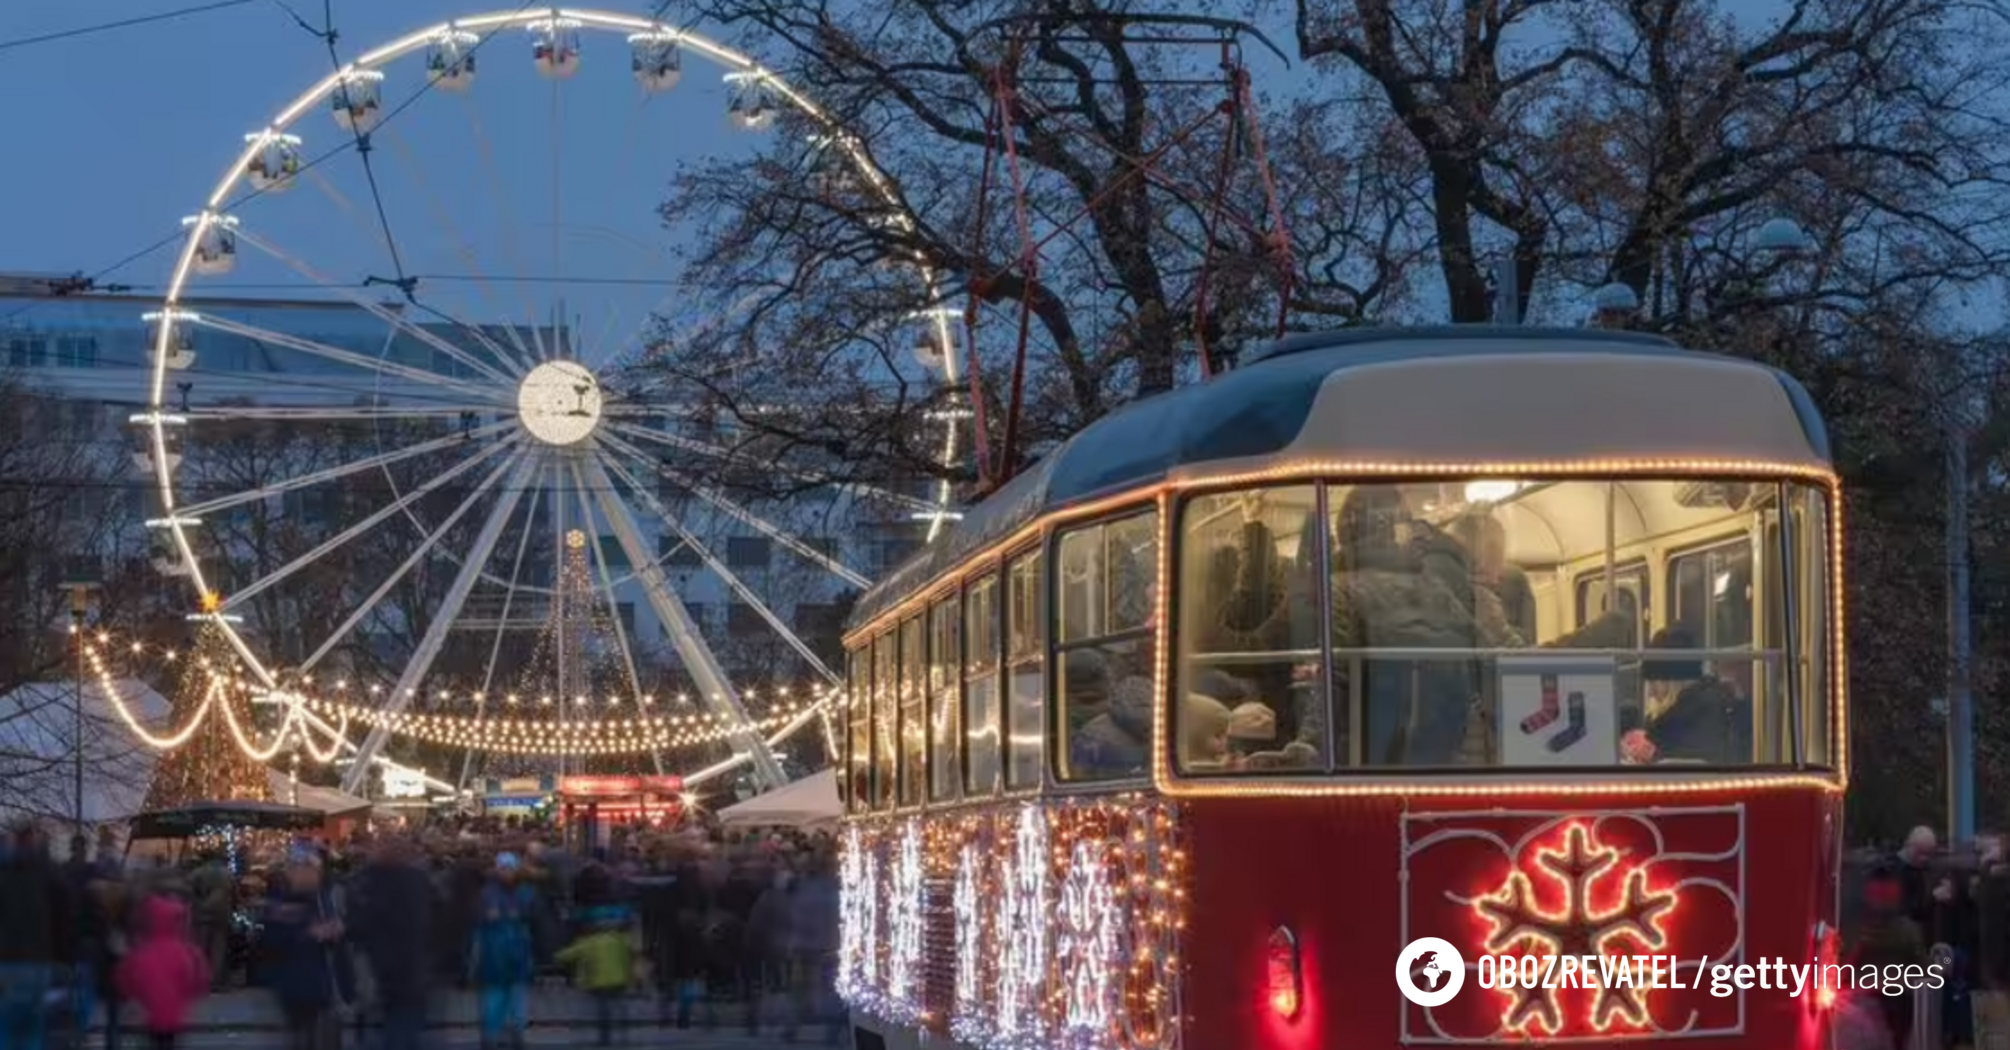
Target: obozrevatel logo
x=1430, y=971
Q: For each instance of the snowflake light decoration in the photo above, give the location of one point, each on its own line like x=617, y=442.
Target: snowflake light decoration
x=969, y=1022
x=853, y=943
x=1606, y=905
x=1022, y=979
x=904, y=922
x=1088, y=954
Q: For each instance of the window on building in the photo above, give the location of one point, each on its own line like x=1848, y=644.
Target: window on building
x=615, y=555
x=1107, y=697
x=626, y=612
x=27, y=351
x=913, y=710
x=745, y=621
x=749, y=552
x=819, y=620
x=945, y=708
x=77, y=351
x=671, y=492
x=681, y=555
x=983, y=746
x=825, y=545
x=1026, y=663
x=702, y=614
x=885, y=719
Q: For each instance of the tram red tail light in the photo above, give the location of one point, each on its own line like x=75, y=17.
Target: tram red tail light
x=1283, y=973
x=1828, y=952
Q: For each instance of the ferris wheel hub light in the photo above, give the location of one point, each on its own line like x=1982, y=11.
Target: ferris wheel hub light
x=559, y=403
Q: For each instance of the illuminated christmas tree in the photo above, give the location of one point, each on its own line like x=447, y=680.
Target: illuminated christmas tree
x=577, y=654
x=209, y=766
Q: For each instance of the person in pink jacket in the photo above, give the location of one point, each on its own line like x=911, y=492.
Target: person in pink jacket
x=165, y=973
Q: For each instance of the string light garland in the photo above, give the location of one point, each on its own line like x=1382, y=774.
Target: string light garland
x=1082, y=951
x=201, y=766
x=222, y=689
x=625, y=736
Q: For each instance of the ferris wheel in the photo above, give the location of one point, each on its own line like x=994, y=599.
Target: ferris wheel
x=462, y=421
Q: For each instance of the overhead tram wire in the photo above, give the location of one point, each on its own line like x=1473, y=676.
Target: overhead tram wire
x=123, y=23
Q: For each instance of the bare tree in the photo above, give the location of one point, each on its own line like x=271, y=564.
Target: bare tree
x=1104, y=127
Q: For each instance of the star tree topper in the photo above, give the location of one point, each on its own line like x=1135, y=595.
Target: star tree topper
x=1606, y=908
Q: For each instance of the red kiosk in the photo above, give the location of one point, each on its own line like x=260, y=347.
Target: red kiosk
x=596, y=803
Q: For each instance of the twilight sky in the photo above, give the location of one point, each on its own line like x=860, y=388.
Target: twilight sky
x=135, y=126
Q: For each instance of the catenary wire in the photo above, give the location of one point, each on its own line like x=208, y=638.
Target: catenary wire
x=123, y=23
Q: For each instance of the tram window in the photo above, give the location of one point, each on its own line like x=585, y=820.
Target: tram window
x=1712, y=589
x=982, y=732
x=885, y=719
x=913, y=712
x=1104, y=674
x=1107, y=576
x=1251, y=692
x=945, y=708
x=1634, y=596
x=1429, y=670
x=1025, y=658
x=1810, y=536
x=858, y=714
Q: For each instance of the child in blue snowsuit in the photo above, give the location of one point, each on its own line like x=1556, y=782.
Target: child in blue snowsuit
x=503, y=959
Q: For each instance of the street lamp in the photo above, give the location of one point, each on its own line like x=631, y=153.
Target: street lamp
x=79, y=585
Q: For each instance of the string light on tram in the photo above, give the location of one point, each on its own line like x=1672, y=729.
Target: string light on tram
x=904, y=925
x=1095, y=905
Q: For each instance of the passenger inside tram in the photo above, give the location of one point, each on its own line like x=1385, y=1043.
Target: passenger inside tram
x=1452, y=612
x=1688, y=714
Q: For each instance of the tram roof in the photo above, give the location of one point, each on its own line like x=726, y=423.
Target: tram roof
x=1262, y=408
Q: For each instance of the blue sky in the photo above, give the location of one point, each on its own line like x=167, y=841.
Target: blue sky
x=135, y=127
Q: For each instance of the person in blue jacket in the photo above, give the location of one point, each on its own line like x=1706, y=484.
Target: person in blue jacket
x=503, y=958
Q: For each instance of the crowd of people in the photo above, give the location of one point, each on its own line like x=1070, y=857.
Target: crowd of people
x=1923, y=904
x=681, y=926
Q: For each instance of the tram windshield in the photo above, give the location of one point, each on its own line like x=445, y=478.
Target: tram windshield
x=1515, y=624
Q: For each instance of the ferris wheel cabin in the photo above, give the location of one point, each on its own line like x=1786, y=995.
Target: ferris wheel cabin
x=1526, y=640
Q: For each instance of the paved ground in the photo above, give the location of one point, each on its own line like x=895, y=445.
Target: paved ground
x=560, y=1017
x=465, y=1040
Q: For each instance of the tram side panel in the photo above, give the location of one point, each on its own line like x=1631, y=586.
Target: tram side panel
x=1327, y=892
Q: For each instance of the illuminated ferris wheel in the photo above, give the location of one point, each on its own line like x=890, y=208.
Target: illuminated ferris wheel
x=472, y=414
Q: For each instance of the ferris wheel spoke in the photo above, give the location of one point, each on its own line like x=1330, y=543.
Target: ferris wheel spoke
x=486, y=150
x=699, y=661
x=741, y=513
x=477, y=393
x=383, y=313
x=502, y=623
x=315, y=413
x=463, y=249
x=520, y=466
x=336, y=473
x=726, y=575
x=376, y=518
x=703, y=448
x=418, y=555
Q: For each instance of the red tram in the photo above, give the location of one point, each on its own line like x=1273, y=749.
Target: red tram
x=1527, y=640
